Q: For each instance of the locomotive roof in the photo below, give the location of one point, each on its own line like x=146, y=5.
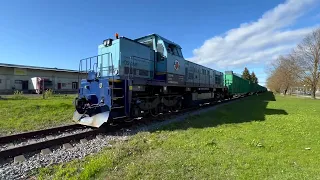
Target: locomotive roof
x=157, y=35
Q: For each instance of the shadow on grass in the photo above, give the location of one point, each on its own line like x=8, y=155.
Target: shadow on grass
x=253, y=108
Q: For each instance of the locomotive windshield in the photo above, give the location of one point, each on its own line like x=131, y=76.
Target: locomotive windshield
x=173, y=49
x=149, y=43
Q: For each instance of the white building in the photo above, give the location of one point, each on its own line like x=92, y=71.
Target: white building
x=18, y=77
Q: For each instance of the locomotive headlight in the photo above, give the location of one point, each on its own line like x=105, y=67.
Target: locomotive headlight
x=100, y=85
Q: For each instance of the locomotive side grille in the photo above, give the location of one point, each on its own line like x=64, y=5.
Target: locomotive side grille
x=134, y=71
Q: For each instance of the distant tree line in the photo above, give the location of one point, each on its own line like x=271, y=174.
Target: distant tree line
x=298, y=68
x=250, y=77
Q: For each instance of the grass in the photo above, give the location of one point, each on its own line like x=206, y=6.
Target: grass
x=260, y=137
x=27, y=113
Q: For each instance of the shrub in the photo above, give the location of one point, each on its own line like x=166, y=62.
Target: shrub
x=18, y=95
x=48, y=93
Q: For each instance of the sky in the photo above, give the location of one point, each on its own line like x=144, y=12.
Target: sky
x=223, y=35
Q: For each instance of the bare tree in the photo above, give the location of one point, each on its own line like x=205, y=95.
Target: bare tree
x=307, y=55
x=273, y=82
x=283, y=74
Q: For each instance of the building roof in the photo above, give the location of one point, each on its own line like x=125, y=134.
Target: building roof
x=37, y=68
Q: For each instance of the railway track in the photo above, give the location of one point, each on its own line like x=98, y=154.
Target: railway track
x=26, y=135
x=15, y=151
x=17, y=144
x=36, y=146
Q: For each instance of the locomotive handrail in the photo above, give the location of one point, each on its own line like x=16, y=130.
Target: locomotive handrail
x=112, y=79
x=93, y=64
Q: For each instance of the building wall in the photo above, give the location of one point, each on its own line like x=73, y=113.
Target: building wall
x=16, y=79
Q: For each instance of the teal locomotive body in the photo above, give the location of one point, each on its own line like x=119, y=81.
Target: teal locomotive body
x=134, y=78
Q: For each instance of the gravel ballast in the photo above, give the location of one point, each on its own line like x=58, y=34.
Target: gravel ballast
x=13, y=170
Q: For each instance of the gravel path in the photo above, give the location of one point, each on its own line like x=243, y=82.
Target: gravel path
x=41, y=139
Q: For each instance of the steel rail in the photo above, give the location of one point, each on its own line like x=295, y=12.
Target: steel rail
x=43, y=132
x=15, y=151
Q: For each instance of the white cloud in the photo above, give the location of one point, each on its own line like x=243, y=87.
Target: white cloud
x=256, y=42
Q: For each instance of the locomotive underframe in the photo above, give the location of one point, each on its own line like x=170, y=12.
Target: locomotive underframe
x=152, y=100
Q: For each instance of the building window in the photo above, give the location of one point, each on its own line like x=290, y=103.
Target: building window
x=18, y=82
x=63, y=84
x=74, y=85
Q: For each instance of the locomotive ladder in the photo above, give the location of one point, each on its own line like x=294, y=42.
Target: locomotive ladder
x=117, y=93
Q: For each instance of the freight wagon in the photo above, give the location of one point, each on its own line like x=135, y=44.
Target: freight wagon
x=240, y=87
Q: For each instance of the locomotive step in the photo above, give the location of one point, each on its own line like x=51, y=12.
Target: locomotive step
x=119, y=117
x=115, y=88
x=117, y=107
x=116, y=98
x=115, y=80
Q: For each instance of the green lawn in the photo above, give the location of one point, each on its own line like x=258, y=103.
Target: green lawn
x=32, y=112
x=256, y=138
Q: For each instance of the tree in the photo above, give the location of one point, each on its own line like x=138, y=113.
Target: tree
x=246, y=74
x=307, y=55
x=273, y=83
x=254, y=78
x=283, y=74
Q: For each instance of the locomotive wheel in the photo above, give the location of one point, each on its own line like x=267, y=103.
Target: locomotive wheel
x=135, y=111
x=154, y=112
x=177, y=107
x=160, y=108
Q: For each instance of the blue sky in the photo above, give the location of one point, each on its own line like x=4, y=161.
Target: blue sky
x=224, y=35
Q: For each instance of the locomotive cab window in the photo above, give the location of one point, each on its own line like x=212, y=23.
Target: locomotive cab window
x=173, y=49
x=160, y=51
x=179, y=52
x=160, y=48
x=149, y=43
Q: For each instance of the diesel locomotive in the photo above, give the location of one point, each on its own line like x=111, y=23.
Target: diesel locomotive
x=134, y=78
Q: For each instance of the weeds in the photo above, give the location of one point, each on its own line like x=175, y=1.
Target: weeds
x=18, y=95
x=48, y=93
